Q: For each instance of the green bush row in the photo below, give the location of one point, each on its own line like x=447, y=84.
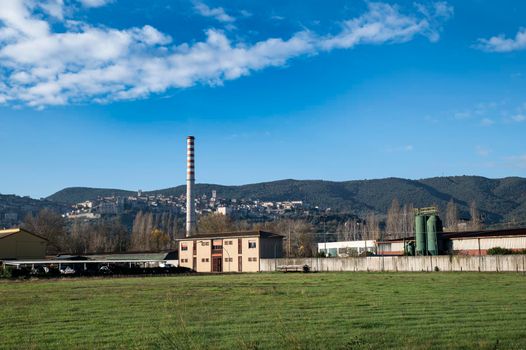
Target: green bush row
x=504, y=251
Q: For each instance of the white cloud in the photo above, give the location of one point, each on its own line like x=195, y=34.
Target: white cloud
x=39, y=67
x=518, y=161
x=519, y=118
x=218, y=12
x=54, y=8
x=483, y=151
x=94, y=3
x=487, y=122
x=500, y=43
x=435, y=14
x=404, y=148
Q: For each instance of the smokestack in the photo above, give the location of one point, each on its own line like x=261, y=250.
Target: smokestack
x=190, y=181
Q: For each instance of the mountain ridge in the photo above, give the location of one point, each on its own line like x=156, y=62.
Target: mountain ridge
x=498, y=200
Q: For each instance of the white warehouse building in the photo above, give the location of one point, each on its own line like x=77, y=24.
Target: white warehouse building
x=346, y=248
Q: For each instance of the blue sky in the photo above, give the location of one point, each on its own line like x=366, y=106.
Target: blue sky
x=103, y=93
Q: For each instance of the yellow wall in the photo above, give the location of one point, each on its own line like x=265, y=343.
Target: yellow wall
x=230, y=252
x=22, y=245
x=204, y=251
x=185, y=257
x=250, y=255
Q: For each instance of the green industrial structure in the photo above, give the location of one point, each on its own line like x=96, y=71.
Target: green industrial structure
x=428, y=231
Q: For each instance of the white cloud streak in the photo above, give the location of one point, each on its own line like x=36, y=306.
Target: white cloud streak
x=94, y=3
x=518, y=161
x=217, y=13
x=501, y=43
x=487, y=122
x=87, y=63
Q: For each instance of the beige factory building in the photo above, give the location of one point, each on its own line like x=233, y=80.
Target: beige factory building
x=479, y=242
x=229, y=252
x=21, y=244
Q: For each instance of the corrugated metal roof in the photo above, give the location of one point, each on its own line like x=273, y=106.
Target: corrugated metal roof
x=262, y=234
x=469, y=234
x=12, y=231
x=486, y=233
x=5, y=233
x=129, y=256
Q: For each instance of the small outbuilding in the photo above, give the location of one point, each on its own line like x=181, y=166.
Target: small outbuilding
x=19, y=243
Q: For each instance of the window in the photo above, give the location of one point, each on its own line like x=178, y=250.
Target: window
x=251, y=244
x=228, y=242
x=205, y=260
x=252, y=259
x=239, y=246
x=184, y=246
x=228, y=260
x=217, y=244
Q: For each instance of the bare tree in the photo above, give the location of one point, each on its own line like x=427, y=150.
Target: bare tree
x=372, y=227
x=159, y=239
x=452, y=216
x=475, y=222
x=50, y=225
x=393, y=225
x=137, y=239
x=215, y=223
x=106, y=236
x=299, y=234
x=408, y=222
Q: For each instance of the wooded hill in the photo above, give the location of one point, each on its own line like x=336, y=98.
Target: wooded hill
x=498, y=200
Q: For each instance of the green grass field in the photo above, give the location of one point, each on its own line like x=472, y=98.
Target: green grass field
x=268, y=311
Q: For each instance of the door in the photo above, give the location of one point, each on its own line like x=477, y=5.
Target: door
x=194, y=264
x=240, y=263
x=217, y=264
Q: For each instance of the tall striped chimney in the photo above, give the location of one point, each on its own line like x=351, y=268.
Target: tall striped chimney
x=190, y=181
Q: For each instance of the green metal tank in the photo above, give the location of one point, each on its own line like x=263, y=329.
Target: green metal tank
x=432, y=239
x=420, y=234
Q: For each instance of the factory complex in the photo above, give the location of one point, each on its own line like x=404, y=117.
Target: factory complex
x=216, y=252
x=473, y=243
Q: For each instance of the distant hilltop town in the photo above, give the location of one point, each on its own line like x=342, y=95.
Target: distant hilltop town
x=237, y=208
x=498, y=200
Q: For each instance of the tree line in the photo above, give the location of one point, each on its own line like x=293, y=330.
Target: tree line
x=160, y=231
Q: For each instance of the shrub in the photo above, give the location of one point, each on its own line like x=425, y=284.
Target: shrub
x=499, y=251
x=6, y=272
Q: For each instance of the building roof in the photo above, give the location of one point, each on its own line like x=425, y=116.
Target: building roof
x=261, y=234
x=12, y=231
x=485, y=233
x=469, y=234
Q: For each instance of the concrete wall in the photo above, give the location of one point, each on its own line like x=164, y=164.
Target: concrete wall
x=489, y=263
